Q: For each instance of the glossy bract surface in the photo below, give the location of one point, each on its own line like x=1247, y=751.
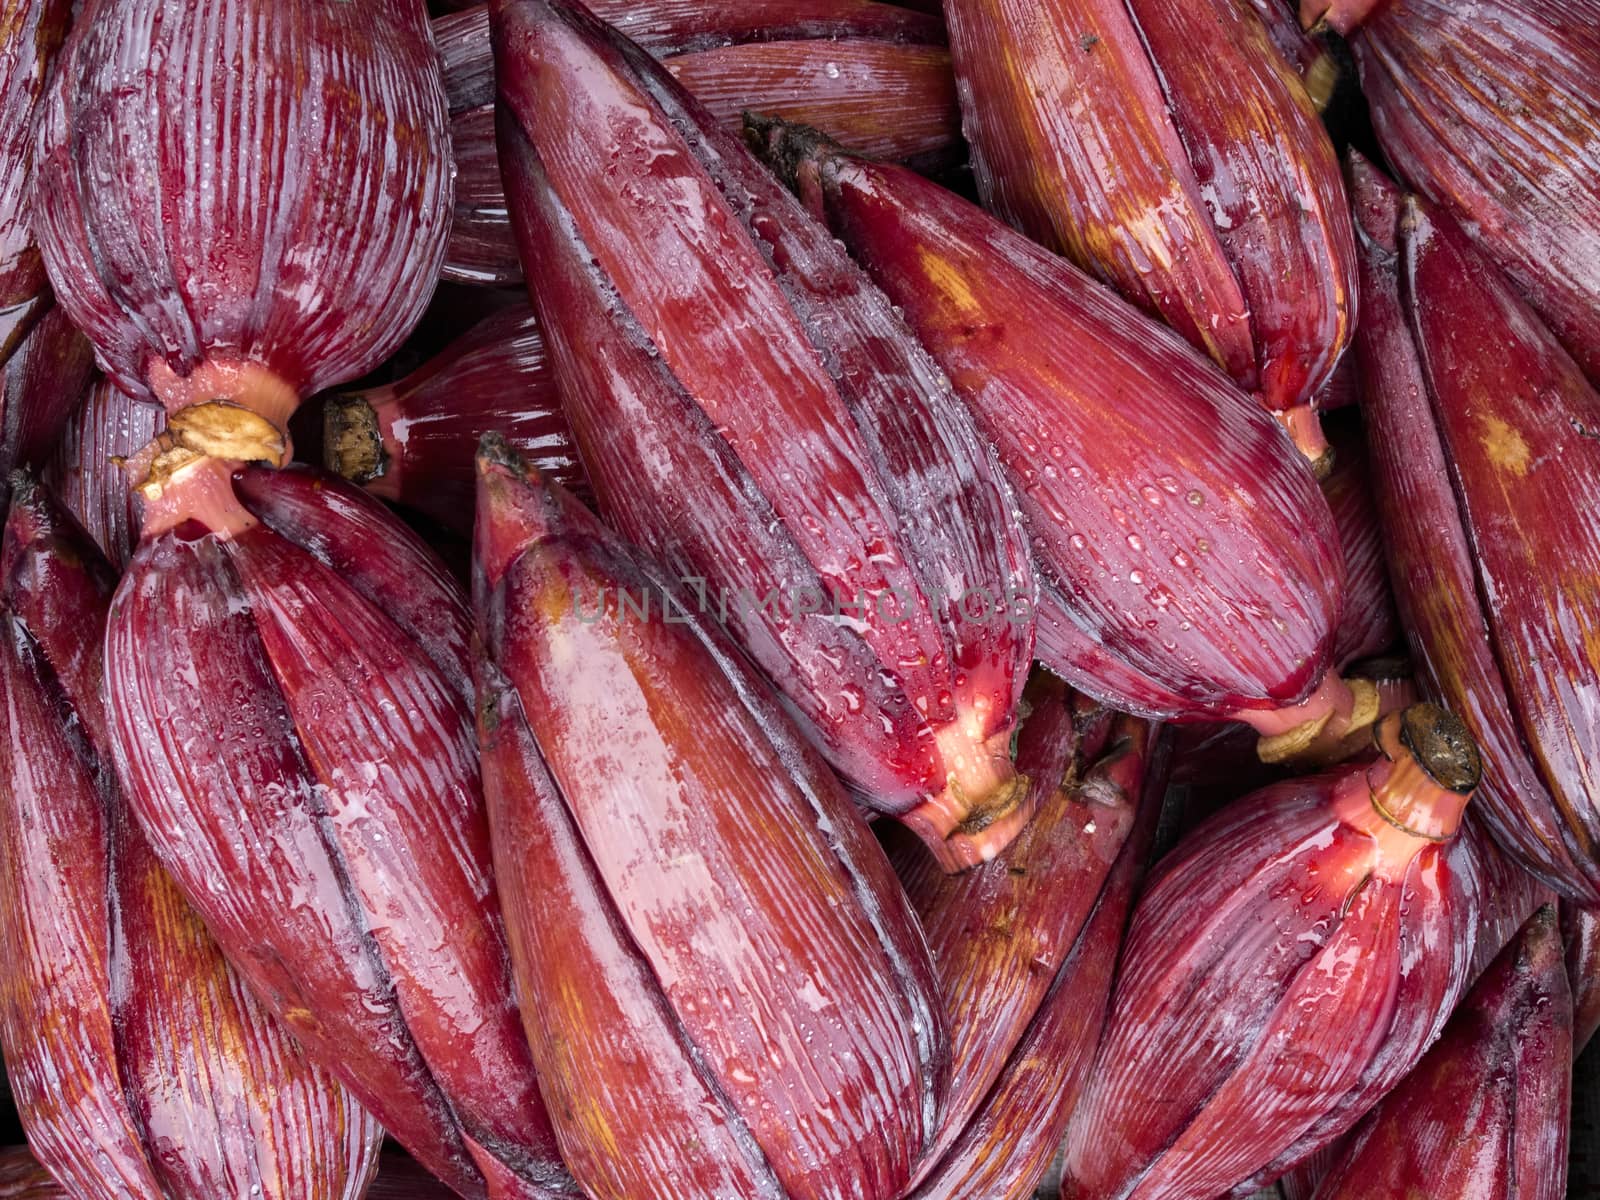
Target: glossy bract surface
x=717, y=968
x=751, y=410
x=1484, y=466
x=292, y=718
x=241, y=183
x=141, y=1065
x=1192, y=562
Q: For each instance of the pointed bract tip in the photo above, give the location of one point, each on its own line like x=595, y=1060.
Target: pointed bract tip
x=1375, y=201
x=518, y=506
x=787, y=147
x=37, y=518
x=497, y=455
x=1543, y=942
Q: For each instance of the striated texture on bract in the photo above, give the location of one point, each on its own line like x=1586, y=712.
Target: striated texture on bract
x=400, y=1178
x=98, y=491
x=751, y=410
x=1271, y=182
x=1493, y=110
x=724, y=987
x=1369, y=624
x=30, y=37
x=31, y=33
x=414, y=441
x=1073, y=144
x=1300, y=1183
x=1485, y=466
x=48, y=371
x=882, y=98
x=1581, y=927
x=1300, y=49
x=141, y=1066
x=483, y=249
x=878, y=98
x=1485, y=1115
x=1287, y=964
x=22, y=1178
x=1015, y=1083
x=291, y=711
x=668, y=27
x=998, y=932
x=1193, y=564
x=1508, y=895
x=1170, y=149
x=242, y=184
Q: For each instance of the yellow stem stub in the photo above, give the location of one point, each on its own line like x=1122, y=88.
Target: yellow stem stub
x=1331, y=737
x=222, y=429
x=215, y=429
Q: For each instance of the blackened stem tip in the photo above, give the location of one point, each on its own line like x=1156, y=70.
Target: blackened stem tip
x=495, y=453
x=21, y=484
x=1442, y=745
x=352, y=444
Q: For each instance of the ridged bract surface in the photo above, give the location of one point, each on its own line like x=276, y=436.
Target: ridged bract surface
x=668, y=27
x=999, y=934
x=414, y=441
x=97, y=491
x=1509, y=895
x=1485, y=1115
x=31, y=31
x=1485, y=465
x=1369, y=624
x=1285, y=967
x=752, y=410
x=1034, y=1028
x=292, y=719
x=22, y=1178
x=41, y=383
x=1073, y=144
x=244, y=180
x=1581, y=927
x=881, y=98
x=724, y=988
x=1493, y=110
x=1192, y=554
x=141, y=1066
x=1270, y=180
